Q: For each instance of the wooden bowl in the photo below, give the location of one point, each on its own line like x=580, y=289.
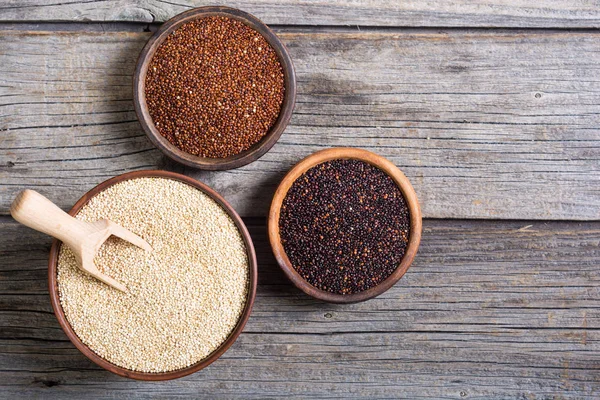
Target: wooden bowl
x=206, y=163
x=146, y=376
x=334, y=154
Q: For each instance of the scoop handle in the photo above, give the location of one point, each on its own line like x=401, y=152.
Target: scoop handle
x=37, y=212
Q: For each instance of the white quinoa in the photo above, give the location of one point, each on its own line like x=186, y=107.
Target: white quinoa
x=184, y=298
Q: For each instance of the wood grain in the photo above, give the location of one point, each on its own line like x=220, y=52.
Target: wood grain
x=436, y=13
x=484, y=124
x=488, y=309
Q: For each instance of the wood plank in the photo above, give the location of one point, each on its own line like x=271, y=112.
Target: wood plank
x=485, y=124
x=490, y=309
x=437, y=13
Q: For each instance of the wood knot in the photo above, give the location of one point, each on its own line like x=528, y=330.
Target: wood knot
x=47, y=382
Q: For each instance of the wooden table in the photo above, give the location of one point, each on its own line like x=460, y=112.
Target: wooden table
x=492, y=110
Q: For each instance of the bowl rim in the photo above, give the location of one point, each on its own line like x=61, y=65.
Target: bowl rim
x=258, y=149
x=356, y=154
x=149, y=376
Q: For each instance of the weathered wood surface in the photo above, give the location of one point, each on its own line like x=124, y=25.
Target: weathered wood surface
x=485, y=124
x=488, y=309
x=414, y=13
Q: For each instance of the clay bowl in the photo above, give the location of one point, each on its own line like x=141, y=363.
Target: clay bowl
x=245, y=157
x=62, y=320
x=345, y=153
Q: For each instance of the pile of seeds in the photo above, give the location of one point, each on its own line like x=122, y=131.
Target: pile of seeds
x=214, y=87
x=184, y=298
x=344, y=225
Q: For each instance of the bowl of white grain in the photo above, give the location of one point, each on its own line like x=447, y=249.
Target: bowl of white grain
x=186, y=301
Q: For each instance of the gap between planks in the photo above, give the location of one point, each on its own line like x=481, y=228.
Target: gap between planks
x=104, y=27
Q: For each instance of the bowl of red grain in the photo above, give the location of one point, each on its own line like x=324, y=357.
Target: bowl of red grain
x=214, y=88
x=344, y=225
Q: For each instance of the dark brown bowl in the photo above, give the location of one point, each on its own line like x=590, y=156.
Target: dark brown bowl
x=334, y=154
x=146, y=376
x=206, y=163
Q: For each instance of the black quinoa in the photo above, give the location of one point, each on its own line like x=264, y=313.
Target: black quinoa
x=344, y=225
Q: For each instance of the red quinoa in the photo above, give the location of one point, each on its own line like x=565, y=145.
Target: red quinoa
x=344, y=225
x=214, y=87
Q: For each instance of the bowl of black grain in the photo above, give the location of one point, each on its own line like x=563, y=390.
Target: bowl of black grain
x=214, y=88
x=344, y=225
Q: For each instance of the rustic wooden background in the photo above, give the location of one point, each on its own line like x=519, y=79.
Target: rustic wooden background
x=491, y=109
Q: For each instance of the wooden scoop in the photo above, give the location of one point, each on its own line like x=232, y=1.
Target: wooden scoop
x=84, y=238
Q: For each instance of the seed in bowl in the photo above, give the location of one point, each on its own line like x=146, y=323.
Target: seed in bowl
x=183, y=299
x=214, y=87
x=344, y=225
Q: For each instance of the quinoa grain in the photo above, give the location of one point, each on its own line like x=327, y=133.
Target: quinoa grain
x=344, y=225
x=214, y=87
x=184, y=299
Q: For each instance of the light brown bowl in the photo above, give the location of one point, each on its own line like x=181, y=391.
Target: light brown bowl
x=146, y=376
x=240, y=159
x=334, y=154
